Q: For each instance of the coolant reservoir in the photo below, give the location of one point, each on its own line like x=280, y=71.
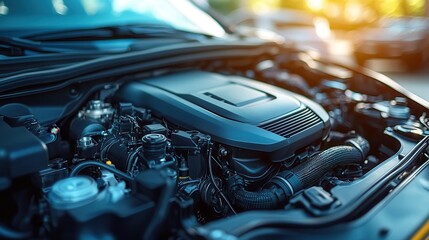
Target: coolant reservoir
x=73, y=192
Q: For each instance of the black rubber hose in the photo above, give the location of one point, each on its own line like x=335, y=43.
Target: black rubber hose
x=311, y=171
x=287, y=183
x=308, y=173
x=162, y=209
x=87, y=164
x=263, y=199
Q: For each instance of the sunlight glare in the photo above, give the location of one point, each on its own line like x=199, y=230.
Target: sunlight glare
x=315, y=5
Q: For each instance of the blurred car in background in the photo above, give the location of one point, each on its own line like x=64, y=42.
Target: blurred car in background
x=405, y=39
x=348, y=15
x=306, y=31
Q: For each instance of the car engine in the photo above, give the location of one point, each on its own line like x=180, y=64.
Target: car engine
x=170, y=151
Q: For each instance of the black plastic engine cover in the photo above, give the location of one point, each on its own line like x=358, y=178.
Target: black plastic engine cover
x=235, y=111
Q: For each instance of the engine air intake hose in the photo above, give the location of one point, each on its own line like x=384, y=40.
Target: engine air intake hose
x=264, y=199
x=286, y=183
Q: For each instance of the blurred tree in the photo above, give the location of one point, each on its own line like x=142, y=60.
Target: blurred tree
x=294, y=4
x=379, y=8
x=225, y=6
x=391, y=7
x=404, y=7
x=417, y=7
x=426, y=8
x=265, y=5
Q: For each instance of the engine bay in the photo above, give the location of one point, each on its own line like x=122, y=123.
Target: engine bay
x=191, y=147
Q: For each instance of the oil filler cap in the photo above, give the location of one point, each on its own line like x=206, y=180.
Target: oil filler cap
x=154, y=146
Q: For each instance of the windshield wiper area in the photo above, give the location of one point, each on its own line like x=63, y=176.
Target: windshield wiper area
x=118, y=32
x=17, y=47
x=13, y=46
x=47, y=42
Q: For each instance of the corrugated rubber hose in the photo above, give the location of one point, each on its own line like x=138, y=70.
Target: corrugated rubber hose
x=286, y=183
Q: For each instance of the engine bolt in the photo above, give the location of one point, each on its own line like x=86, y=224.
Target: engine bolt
x=223, y=152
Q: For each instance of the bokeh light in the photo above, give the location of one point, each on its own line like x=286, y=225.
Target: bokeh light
x=315, y=5
x=263, y=6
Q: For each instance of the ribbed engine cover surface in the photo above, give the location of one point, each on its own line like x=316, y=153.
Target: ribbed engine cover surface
x=235, y=111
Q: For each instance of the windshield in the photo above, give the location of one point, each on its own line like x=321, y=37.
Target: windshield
x=45, y=15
